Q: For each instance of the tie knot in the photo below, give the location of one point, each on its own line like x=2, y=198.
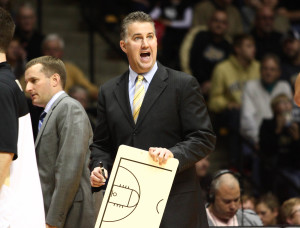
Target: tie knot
x=42, y=116
x=140, y=77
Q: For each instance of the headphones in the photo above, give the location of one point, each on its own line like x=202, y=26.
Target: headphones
x=218, y=174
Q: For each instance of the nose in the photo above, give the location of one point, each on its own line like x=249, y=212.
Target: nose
x=145, y=43
x=28, y=87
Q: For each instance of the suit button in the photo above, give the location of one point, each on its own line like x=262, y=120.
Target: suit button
x=134, y=133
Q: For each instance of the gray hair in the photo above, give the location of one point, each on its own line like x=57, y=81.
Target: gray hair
x=54, y=37
x=137, y=16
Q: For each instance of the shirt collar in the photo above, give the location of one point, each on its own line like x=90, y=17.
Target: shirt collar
x=147, y=76
x=53, y=99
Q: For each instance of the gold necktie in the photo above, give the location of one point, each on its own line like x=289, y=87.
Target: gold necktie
x=139, y=94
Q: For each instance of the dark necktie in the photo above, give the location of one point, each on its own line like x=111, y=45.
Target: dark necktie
x=41, y=119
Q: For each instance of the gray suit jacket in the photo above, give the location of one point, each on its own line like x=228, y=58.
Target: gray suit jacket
x=62, y=148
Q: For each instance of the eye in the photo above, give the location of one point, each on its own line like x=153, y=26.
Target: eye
x=137, y=38
x=150, y=37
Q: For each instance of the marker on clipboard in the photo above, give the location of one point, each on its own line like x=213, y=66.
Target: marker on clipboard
x=102, y=169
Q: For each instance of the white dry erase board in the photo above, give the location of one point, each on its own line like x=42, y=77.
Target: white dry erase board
x=137, y=191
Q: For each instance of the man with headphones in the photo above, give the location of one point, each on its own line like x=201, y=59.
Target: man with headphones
x=224, y=202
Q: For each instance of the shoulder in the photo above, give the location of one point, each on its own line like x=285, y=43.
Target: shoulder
x=179, y=77
x=110, y=84
x=249, y=217
x=252, y=84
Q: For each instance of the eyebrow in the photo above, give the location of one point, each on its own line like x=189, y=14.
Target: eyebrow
x=138, y=34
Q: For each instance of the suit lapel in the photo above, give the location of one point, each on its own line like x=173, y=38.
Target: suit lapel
x=156, y=87
x=62, y=96
x=122, y=96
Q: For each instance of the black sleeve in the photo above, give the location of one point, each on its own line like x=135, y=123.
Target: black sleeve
x=8, y=121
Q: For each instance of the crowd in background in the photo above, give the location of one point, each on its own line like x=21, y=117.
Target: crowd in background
x=245, y=55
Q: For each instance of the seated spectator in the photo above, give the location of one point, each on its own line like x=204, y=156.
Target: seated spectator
x=281, y=22
x=30, y=38
x=223, y=209
x=16, y=57
x=279, y=150
x=203, y=12
x=248, y=202
x=257, y=96
x=266, y=38
x=248, y=10
x=209, y=48
x=291, y=10
x=204, y=177
x=290, y=211
x=176, y=16
x=228, y=79
x=297, y=91
x=267, y=208
x=291, y=56
x=53, y=45
x=291, y=63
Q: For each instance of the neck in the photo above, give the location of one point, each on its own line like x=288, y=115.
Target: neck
x=215, y=215
x=245, y=63
x=2, y=57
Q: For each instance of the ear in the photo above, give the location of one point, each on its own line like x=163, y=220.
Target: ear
x=123, y=46
x=55, y=80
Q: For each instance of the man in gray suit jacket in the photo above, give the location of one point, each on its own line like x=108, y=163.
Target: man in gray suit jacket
x=62, y=146
x=171, y=121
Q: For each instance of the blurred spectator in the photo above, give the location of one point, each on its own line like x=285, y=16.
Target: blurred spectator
x=291, y=10
x=53, y=45
x=281, y=22
x=227, y=85
x=204, y=177
x=209, y=48
x=279, y=150
x=223, y=209
x=176, y=16
x=290, y=211
x=203, y=12
x=82, y=95
x=267, y=208
x=297, y=91
x=248, y=10
x=16, y=57
x=30, y=38
x=248, y=202
x=291, y=63
x=257, y=97
x=291, y=56
x=266, y=38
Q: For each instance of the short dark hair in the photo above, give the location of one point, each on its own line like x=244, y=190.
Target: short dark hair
x=7, y=29
x=270, y=200
x=239, y=39
x=51, y=65
x=137, y=16
x=274, y=57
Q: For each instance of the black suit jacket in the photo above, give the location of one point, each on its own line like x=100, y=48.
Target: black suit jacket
x=174, y=116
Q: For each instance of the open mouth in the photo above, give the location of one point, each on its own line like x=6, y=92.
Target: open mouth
x=145, y=56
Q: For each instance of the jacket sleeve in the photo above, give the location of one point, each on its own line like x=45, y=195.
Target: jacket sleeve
x=102, y=146
x=199, y=138
x=74, y=133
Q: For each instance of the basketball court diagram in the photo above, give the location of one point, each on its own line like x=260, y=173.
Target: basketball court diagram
x=137, y=191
